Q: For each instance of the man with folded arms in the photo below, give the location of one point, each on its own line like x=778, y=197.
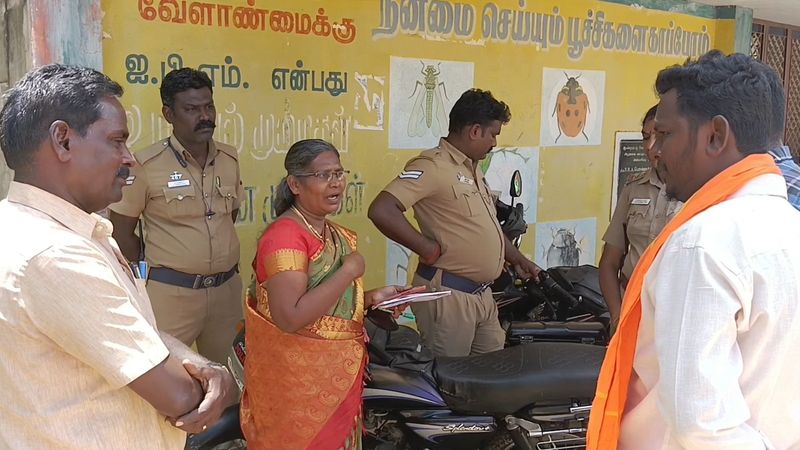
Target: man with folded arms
x=82, y=365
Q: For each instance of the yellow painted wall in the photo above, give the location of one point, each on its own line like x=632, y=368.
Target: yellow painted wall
x=261, y=121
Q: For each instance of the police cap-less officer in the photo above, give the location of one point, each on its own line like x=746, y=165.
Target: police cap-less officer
x=460, y=243
x=187, y=189
x=643, y=209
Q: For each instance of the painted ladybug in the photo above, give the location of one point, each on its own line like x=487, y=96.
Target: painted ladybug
x=571, y=109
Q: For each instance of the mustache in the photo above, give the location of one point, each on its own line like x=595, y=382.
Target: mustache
x=203, y=124
x=124, y=172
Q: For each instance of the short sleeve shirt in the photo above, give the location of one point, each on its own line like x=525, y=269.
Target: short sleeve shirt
x=75, y=329
x=791, y=173
x=453, y=205
x=174, y=197
x=643, y=209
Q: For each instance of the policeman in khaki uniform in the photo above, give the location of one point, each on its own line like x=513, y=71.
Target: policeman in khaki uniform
x=643, y=209
x=187, y=190
x=460, y=244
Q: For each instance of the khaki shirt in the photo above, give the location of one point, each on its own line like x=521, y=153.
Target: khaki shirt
x=643, y=209
x=453, y=206
x=174, y=200
x=75, y=330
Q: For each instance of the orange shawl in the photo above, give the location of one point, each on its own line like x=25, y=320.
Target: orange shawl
x=612, y=385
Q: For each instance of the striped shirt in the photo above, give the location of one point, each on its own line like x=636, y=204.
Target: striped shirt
x=790, y=171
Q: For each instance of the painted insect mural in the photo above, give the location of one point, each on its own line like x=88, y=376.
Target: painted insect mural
x=428, y=112
x=397, y=263
x=571, y=109
x=564, y=250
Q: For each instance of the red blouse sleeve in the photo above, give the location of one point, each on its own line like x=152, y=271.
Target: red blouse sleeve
x=285, y=245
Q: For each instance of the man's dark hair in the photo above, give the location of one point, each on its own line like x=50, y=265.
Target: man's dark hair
x=180, y=80
x=738, y=87
x=477, y=106
x=778, y=97
x=44, y=95
x=650, y=114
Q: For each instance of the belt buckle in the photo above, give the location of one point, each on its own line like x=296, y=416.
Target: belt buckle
x=209, y=281
x=204, y=281
x=481, y=288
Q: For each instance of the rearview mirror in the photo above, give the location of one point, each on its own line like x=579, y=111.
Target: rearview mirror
x=516, y=185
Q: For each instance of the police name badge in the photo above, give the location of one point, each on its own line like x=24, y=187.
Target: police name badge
x=465, y=180
x=176, y=180
x=640, y=201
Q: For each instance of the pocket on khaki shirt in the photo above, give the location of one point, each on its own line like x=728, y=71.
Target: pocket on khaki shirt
x=181, y=202
x=468, y=200
x=228, y=196
x=639, y=220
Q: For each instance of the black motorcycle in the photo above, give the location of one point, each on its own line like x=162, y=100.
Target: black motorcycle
x=524, y=397
x=564, y=304
x=535, y=396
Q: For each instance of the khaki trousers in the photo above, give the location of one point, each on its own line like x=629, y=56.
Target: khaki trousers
x=207, y=317
x=460, y=324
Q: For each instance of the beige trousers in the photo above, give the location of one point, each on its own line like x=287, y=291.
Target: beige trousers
x=460, y=324
x=207, y=317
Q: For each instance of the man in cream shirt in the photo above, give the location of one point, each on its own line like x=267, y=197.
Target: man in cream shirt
x=82, y=365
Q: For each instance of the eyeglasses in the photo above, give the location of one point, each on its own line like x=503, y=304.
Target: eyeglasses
x=326, y=176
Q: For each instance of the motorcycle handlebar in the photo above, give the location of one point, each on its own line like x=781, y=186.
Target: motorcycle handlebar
x=549, y=285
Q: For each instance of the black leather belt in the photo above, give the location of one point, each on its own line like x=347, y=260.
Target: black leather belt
x=189, y=280
x=452, y=281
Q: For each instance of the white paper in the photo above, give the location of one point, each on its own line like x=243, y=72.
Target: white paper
x=412, y=298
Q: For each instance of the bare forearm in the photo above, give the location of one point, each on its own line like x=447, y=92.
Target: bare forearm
x=394, y=225
x=611, y=261
x=609, y=286
x=181, y=351
x=128, y=244
x=315, y=303
x=403, y=233
x=512, y=254
x=169, y=388
x=190, y=396
x=124, y=234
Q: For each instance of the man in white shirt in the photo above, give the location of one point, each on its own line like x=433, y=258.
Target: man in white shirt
x=717, y=357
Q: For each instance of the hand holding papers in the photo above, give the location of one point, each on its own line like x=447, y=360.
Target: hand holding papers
x=412, y=295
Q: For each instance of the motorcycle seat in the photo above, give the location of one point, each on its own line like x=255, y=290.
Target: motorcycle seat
x=505, y=381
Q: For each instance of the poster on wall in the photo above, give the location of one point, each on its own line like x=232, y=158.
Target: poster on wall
x=566, y=243
x=421, y=94
x=501, y=163
x=630, y=160
x=398, y=260
x=572, y=107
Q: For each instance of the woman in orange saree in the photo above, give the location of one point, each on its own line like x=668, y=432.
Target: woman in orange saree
x=305, y=340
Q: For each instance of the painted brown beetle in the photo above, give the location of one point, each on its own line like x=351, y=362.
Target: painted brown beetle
x=571, y=109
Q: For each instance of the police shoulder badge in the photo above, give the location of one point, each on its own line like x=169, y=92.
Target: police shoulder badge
x=410, y=175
